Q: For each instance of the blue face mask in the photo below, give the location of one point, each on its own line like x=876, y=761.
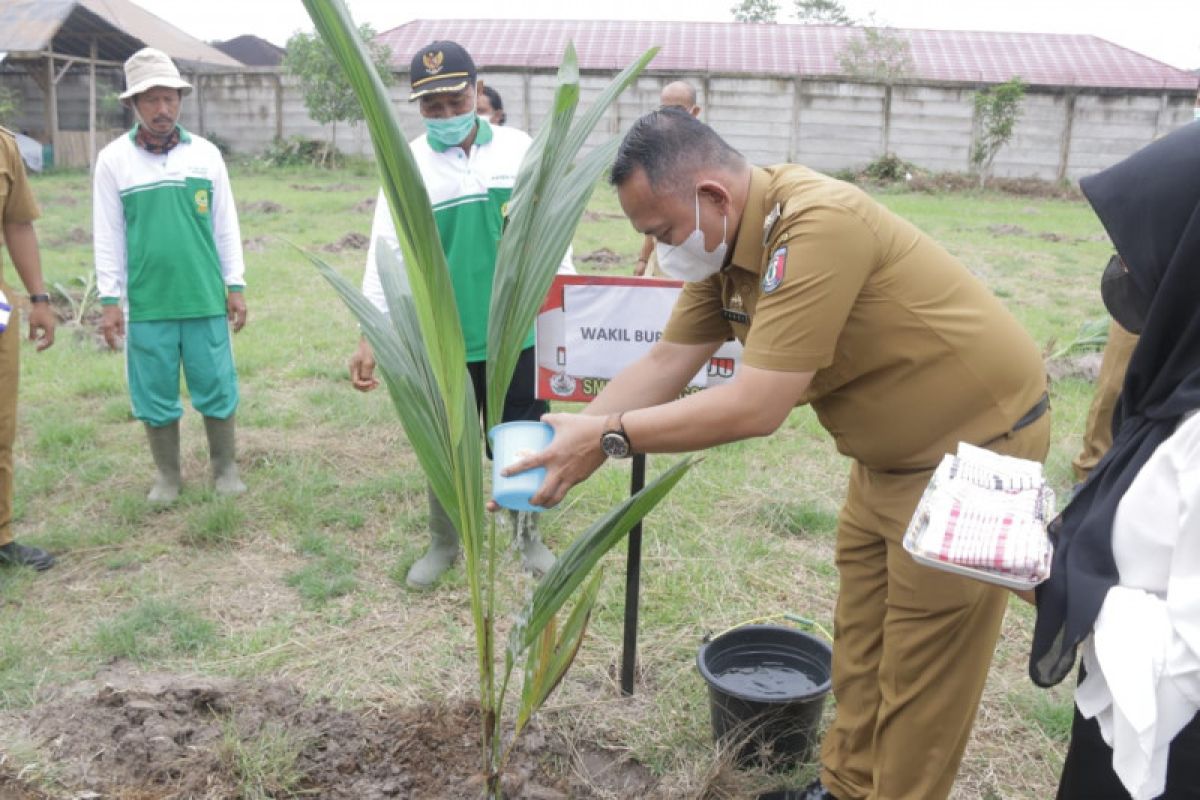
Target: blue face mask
x=452, y=131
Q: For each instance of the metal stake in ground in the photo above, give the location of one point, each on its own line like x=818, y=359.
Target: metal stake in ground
x=633, y=578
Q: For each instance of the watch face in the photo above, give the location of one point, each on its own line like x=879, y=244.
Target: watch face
x=614, y=445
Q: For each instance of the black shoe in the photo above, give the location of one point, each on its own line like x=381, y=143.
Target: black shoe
x=22, y=556
x=814, y=791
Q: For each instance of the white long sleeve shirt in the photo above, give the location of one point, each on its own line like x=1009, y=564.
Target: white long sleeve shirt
x=1143, y=659
x=165, y=229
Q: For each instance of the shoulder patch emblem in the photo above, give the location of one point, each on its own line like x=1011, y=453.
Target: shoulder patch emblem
x=433, y=61
x=775, y=269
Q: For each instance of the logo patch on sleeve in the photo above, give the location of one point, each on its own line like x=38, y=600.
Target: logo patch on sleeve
x=773, y=277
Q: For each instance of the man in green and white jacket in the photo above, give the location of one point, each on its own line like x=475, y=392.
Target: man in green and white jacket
x=469, y=167
x=169, y=271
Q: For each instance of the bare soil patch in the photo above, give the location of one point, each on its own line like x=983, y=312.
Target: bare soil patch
x=366, y=206
x=159, y=735
x=351, y=241
x=255, y=244
x=1084, y=365
x=76, y=235
x=601, y=258
x=963, y=182
x=262, y=207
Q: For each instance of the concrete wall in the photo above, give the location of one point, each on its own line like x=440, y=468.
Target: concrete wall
x=827, y=124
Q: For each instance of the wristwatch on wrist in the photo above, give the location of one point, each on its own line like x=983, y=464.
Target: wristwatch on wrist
x=615, y=441
x=39, y=298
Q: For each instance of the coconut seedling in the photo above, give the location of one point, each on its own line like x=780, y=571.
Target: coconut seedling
x=419, y=349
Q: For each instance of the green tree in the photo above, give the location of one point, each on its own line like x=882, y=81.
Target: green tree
x=755, y=11
x=996, y=113
x=877, y=54
x=10, y=104
x=822, y=12
x=328, y=96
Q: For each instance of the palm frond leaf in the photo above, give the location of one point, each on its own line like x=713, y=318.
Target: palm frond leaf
x=552, y=190
x=408, y=200
x=576, y=563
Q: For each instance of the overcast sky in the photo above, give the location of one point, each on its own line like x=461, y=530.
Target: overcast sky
x=1168, y=30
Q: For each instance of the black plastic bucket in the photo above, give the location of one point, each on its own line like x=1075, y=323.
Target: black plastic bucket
x=766, y=690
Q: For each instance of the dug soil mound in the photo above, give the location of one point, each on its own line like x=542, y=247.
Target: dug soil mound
x=158, y=736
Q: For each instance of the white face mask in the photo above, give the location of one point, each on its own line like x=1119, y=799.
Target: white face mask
x=688, y=261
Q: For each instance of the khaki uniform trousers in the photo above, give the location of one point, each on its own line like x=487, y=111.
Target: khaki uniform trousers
x=1097, y=437
x=10, y=347
x=912, y=644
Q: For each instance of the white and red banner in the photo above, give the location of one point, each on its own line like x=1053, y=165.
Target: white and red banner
x=592, y=327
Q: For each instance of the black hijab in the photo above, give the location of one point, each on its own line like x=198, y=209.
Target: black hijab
x=1150, y=205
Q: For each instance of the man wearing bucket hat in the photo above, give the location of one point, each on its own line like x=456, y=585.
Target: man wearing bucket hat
x=169, y=271
x=18, y=210
x=469, y=167
x=901, y=352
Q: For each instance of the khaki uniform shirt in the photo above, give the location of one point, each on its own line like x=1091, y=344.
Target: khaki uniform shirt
x=911, y=353
x=16, y=198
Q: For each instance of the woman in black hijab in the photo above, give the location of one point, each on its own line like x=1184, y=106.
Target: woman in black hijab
x=1150, y=205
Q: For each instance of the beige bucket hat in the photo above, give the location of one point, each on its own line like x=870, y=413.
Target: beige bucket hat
x=148, y=68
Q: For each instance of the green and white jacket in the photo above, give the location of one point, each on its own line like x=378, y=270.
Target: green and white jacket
x=470, y=195
x=165, y=230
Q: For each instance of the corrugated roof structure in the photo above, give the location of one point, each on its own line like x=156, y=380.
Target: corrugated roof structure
x=1045, y=59
x=28, y=27
x=157, y=32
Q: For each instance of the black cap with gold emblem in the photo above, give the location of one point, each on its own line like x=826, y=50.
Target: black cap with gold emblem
x=441, y=67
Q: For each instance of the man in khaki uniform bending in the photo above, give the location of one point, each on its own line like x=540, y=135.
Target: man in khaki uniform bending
x=902, y=354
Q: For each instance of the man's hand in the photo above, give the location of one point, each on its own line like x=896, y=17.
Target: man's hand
x=112, y=325
x=639, y=269
x=41, y=325
x=235, y=308
x=572, y=456
x=362, y=367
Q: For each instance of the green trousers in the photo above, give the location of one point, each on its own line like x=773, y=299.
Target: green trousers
x=154, y=352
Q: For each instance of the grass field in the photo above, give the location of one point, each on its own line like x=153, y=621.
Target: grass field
x=302, y=578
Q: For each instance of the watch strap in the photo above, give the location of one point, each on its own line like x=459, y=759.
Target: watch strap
x=40, y=297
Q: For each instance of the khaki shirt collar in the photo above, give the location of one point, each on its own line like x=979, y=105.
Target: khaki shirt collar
x=748, y=249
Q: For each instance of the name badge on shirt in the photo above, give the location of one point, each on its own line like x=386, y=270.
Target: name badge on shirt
x=736, y=312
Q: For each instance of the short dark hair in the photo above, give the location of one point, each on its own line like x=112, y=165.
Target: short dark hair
x=494, y=98
x=669, y=145
x=497, y=104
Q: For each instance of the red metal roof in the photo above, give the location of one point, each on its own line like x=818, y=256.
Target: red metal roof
x=1053, y=59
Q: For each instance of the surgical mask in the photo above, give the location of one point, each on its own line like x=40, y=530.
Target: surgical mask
x=688, y=261
x=1127, y=304
x=452, y=131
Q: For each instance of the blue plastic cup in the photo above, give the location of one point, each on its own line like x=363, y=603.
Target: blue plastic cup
x=512, y=442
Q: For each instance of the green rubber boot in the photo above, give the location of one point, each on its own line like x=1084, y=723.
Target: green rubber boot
x=536, y=558
x=164, y=446
x=221, y=451
x=443, y=548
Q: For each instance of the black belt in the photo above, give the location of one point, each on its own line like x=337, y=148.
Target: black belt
x=1033, y=414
